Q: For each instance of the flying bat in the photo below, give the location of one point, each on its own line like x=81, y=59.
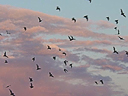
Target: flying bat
x=73, y=19
x=86, y=16
x=122, y=13
x=58, y=8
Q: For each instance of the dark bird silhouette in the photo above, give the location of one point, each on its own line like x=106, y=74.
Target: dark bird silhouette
x=107, y=18
x=33, y=59
x=8, y=86
x=25, y=28
x=65, y=62
x=6, y=61
x=116, y=21
x=31, y=85
x=58, y=8
x=59, y=49
x=64, y=53
x=70, y=65
x=118, y=32
x=30, y=79
x=121, y=38
x=11, y=93
x=122, y=13
x=50, y=74
x=7, y=32
x=126, y=53
x=90, y=1
x=5, y=55
x=115, y=28
x=71, y=38
x=101, y=81
x=115, y=50
x=73, y=19
x=49, y=47
x=65, y=70
x=86, y=16
x=38, y=68
x=40, y=20
x=96, y=82
x=54, y=57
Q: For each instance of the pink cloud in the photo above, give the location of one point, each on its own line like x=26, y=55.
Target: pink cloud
x=23, y=45
x=104, y=24
x=51, y=24
x=36, y=29
x=112, y=67
x=94, y=49
x=104, y=63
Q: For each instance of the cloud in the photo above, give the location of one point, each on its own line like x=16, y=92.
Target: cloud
x=104, y=25
x=104, y=63
x=37, y=29
x=120, y=57
x=117, y=68
x=18, y=17
x=97, y=50
x=22, y=45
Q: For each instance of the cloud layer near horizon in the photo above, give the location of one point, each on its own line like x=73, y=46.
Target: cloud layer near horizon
x=90, y=52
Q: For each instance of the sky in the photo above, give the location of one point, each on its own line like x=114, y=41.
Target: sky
x=91, y=53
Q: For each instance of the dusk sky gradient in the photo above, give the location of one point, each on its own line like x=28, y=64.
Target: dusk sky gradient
x=91, y=53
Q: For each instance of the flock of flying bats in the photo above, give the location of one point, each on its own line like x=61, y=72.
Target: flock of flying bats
x=71, y=38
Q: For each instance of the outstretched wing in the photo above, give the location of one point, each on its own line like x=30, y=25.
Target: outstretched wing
x=37, y=65
x=121, y=11
x=69, y=37
x=114, y=48
x=39, y=18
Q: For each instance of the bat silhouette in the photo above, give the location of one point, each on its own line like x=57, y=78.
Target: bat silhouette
x=39, y=19
x=65, y=70
x=115, y=28
x=65, y=62
x=115, y=50
x=58, y=8
x=126, y=53
x=121, y=38
x=71, y=38
x=11, y=93
x=107, y=18
x=54, y=57
x=6, y=61
x=33, y=59
x=38, y=68
x=31, y=85
x=90, y=1
x=122, y=13
x=116, y=21
x=86, y=16
x=5, y=55
x=30, y=79
x=73, y=19
x=96, y=82
x=64, y=53
x=49, y=47
x=70, y=65
x=25, y=28
x=101, y=81
x=8, y=86
x=59, y=49
x=118, y=32
x=50, y=74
